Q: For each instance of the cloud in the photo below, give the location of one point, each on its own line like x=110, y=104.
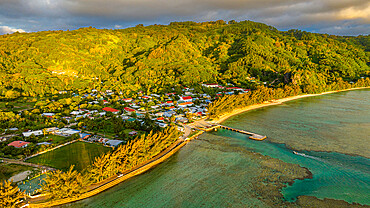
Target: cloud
x=316, y=15
x=9, y=30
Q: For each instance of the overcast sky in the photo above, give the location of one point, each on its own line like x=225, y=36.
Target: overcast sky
x=339, y=17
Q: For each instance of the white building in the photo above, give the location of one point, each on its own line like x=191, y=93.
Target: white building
x=36, y=133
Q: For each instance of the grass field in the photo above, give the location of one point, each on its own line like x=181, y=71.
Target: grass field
x=9, y=170
x=80, y=154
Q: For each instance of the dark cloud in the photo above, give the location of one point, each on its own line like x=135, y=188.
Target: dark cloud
x=345, y=17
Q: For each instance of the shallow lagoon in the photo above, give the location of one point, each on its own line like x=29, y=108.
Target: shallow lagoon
x=222, y=168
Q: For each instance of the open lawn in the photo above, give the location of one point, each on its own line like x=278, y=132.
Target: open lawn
x=9, y=170
x=80, y=154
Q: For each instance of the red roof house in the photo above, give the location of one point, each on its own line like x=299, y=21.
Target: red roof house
x=108, y=109
x=160, y=119
x=127, y=100
x=129, y=109
x=18, y=144
x=187, y=98
x=234, y=88
x=169, y=103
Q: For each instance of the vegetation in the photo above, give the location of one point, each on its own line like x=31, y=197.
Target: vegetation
x=65, y=184
x=9, y=170
x=124, y=158
x=228, y=103
x=32, y=148
x=10, y=195
x=156, y=58
x=79, y=154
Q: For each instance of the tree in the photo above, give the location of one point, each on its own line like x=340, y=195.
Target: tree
x=10, y=195
x=65, y=184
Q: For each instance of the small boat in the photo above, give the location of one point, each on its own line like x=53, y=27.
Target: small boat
x=297, y=153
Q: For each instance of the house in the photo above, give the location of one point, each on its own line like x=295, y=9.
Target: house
x=132, y=133
x=154, y=106
x=48, y=114
x=186, y=104
x=162, y=125
x=108, y=109
x=182, y=120
x=161, y=119
x=76, y=112
x=199, y=113
x=168, y=103
x=84, y=135
x=105, y=102
x=169, y=113
x=36, y=133
x=155, y=95
x=13, y=129
x=18, y=144
x=113, y=143
x=139, y=115
x=129, y=110
x=66, y=132
x=127, y=100
x=186, y=98
x=51, y=129
x=43, y=143
x=134, y=106
x=234, y=88
x=159, y=114
x=210, y=85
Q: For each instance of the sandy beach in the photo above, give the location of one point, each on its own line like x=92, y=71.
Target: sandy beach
x=275, y=102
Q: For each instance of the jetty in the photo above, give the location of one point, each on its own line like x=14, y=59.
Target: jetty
x=205, y=126
x=253, y=136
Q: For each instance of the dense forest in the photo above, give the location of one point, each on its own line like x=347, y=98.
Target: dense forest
x=156, y=58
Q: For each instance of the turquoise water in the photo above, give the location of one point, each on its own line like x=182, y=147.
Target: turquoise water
x=219, y=169
x=335, y=175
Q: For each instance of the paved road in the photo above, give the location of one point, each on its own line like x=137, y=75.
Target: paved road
x=26, y=163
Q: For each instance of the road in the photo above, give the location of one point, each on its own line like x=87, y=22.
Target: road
x=26, y=164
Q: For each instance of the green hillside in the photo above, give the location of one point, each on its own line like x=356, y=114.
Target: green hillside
x=157, y=57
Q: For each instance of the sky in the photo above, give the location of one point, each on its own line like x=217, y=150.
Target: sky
x=338, y=17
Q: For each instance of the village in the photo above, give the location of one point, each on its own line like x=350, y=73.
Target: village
x=98, y=122
x=179, y=109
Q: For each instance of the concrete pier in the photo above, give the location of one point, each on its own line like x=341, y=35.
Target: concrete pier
x=253, y=136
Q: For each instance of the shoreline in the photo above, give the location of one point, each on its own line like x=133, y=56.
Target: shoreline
x=142, y=168
x=275, y=102
x=161, y=157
